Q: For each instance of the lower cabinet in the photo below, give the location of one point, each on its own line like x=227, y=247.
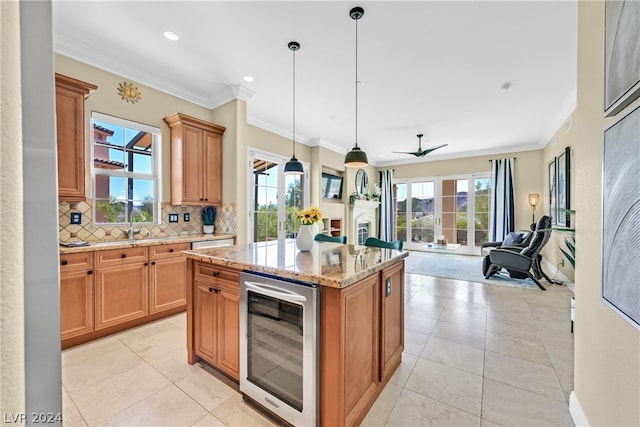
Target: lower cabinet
x=167, y=277
x=362, y=342
x=76, y=294
x=215, y=318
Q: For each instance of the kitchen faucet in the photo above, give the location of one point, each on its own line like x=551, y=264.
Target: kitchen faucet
x=131, y=232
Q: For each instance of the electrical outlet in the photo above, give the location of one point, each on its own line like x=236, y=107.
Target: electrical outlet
x=173, y=217
x=186, y=216
x=76, y=218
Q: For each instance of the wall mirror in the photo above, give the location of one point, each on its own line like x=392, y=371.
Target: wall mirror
x=362, y=182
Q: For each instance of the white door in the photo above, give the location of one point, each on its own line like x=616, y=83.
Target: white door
x=274, y=197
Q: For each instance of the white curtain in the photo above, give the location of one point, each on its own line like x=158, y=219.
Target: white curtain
x=385, y=217
x=502, y=198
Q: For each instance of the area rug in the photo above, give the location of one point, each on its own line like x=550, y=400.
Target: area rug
x=458, y=267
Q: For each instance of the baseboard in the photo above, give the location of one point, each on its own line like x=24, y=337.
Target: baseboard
x=557, y=275
x=576, y=412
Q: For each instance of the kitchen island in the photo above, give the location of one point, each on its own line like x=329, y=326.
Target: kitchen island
x=361, y=314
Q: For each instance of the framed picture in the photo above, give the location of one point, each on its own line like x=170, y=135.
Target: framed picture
x=621, y=217
x=562, y=188
x=622, y=54
x=551, y=197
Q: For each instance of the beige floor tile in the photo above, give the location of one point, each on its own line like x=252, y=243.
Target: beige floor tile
x=524, y=374
x=179, y=320
x=208, y=421
x=419, y=324
x=512, y=328
x=70, y=415
x=486, y=423
x=425, y=296
x=422, y=310
x=561, y=358
x=161, y=343
x=80, y=353
x=465, y=304
x=133, y=335
x=205, y=389
x=100, y=401
x=566, y=382
x=414, y=342
x=459, y=333
x=456, y=355
x=174, y=365
x=402, y=374
x=529, y=348
x=168, y=407
x=235, y=413
x=512, y=406
x=464, y=317
x=448, y=385
x=380, y=411
x=555, y=337
x=413, y=409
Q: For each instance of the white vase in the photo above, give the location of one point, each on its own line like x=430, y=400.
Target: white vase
x=304, y=240
x=207, y=229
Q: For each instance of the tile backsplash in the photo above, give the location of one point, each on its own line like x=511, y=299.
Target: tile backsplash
x=225, y=223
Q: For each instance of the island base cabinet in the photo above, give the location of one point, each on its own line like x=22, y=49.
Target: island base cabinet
x=391, y=319
x=215, y=318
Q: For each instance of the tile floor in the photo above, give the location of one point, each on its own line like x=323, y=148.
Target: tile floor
x=475, y=354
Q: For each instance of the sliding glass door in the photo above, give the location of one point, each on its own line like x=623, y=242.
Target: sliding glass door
x=431, y=209
x=275, y=197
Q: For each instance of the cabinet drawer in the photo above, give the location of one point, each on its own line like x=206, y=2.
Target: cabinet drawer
x=168, y=251
x=120, y=256
x=214, y=273
x=78, y=260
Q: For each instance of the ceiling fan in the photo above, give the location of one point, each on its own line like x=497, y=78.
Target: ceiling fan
x=420, y=152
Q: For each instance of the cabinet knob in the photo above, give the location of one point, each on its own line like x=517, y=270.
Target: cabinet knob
x=201, y=199
x=146, y=264
x=216, y=273
x=123, y=255
x=64, y=262
x=171, y=250
x=90, y=272
x=206, y=200
x=211, y=290
x=153, y=263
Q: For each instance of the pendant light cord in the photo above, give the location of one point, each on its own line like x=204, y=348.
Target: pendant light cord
x=356, y=82
x=294, y=104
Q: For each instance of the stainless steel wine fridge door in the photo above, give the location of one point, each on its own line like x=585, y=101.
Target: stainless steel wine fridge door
x=279, y=331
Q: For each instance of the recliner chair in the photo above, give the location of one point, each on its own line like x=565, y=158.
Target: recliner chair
x=520, y=239
x=524, y=263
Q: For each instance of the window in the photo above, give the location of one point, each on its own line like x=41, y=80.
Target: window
x=124, y=170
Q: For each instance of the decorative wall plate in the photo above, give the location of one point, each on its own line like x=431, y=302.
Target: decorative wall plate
x=129, y=92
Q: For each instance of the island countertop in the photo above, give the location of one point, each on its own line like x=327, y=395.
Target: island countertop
x=328, y=264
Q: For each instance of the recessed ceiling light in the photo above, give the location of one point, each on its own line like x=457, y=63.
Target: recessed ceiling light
x=171, y=35
x=248, y=78
x=332, y=116
x=505, y=86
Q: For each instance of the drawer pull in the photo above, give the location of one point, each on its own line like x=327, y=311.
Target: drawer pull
x=211, y=289
x=214, y=290
x=64, y=262
x=171, y=250
x=90, y=272
x=216, y=273
x=123, y=255
x=153, y=263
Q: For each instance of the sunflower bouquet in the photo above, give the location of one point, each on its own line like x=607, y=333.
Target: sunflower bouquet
x=309, y=216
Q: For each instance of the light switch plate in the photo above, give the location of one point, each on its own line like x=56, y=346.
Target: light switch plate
x=186, y=217
x=76, y=217
x=173, y=217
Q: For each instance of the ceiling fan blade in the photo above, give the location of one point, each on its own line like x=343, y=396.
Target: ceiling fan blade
x=415, y=153
x=428, y=150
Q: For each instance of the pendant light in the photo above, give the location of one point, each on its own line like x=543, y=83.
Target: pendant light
x=356, y=158
x=293, y=166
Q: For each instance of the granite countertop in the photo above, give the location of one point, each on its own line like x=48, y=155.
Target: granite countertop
x=119, y=244
x=328, y=264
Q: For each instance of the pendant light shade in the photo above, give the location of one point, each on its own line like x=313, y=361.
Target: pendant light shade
x=356, y=158
x=293, y=166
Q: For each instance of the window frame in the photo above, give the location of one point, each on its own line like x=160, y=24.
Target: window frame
x=154, y=176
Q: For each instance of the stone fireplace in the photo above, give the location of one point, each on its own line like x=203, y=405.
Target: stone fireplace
x=363, y=221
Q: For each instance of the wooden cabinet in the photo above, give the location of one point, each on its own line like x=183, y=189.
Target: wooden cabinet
x=391, y=319
x=167, y=277
x=332, y=226
x=362, y=343
x=76, y=294
x=122, y=287
x=215, y=318
x=70, y=96
x=196, y=161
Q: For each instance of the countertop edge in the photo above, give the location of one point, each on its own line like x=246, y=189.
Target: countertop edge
x=102, y=246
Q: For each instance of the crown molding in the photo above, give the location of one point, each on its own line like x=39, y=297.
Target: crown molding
x=229, y=93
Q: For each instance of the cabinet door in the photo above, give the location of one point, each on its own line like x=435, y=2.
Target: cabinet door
x=228, y=332
x=192, y=167
x=122, y=294
x=212, y=168
x=168, y=283
x=205, y=321
x=392, y=319
x=70, y=137
x=76, y=303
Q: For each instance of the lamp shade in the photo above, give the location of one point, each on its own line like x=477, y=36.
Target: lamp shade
x=534, y=199
x=356, y=158
x=293, y=167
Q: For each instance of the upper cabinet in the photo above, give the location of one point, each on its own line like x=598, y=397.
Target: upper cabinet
x=70, y=96
x=196, y=161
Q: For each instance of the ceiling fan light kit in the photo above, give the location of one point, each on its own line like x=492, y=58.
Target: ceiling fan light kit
x=293, y=166
x=420, y=152
x=356, y=158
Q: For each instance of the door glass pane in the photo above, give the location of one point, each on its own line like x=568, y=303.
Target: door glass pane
x=482, y=193
x=265, y=196
x=294, y=196
x=422, y=212
x=454, y=210
x=401, y=212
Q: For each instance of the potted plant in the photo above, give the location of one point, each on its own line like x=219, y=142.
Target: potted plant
x=208, y=219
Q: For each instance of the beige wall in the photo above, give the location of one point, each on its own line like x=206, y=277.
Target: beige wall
x=607, y=348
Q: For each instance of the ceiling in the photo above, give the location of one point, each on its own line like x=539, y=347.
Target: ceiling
x=424, y=67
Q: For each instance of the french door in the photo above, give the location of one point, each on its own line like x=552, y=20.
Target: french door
x=453, y=208
x=274, y=197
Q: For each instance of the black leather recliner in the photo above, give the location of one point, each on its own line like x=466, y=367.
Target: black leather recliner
x=516, y=239
x=521, y=263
